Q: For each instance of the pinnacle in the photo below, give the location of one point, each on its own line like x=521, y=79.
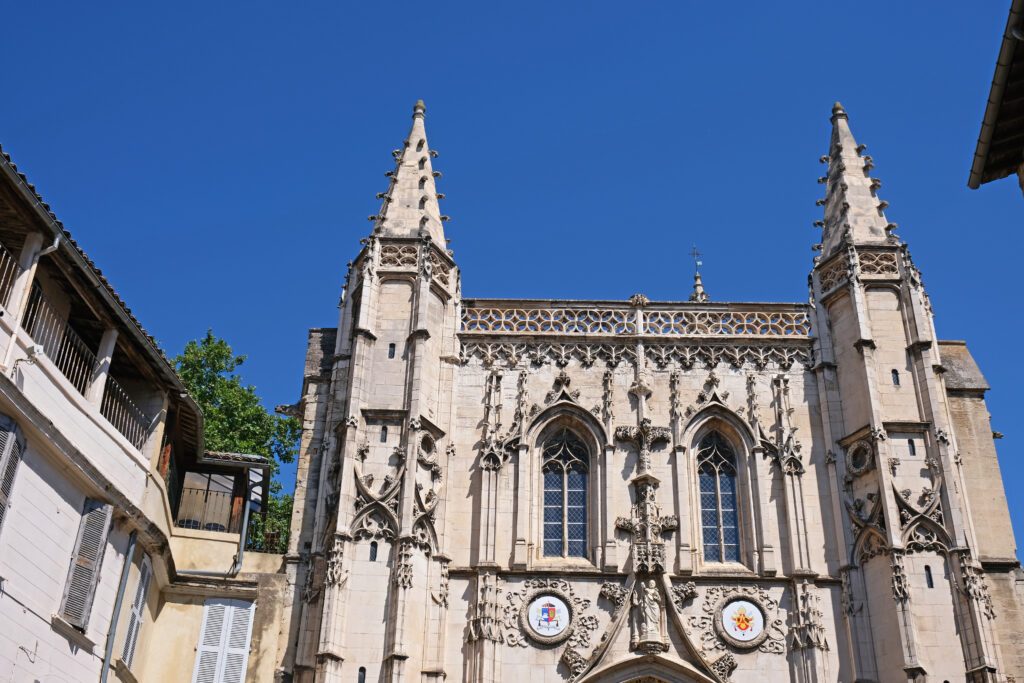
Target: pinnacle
x=410, y=205
x=853, y=211
x=699, y=295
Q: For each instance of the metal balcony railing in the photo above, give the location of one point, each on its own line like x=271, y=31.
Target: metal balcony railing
x=78, y=363
x=60, y=343
x=205, y=510
x=123, y=414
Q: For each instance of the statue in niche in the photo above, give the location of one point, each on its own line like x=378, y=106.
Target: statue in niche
x=647, y=608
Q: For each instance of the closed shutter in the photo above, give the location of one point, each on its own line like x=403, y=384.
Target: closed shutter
x=135, y=617
x=85, y=563
x=223, y=650
x=11, y=447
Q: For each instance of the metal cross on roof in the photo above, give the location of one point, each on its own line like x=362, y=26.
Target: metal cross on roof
x=697, y=263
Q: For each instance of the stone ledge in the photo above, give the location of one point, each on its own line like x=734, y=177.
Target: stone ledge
x=74, y=635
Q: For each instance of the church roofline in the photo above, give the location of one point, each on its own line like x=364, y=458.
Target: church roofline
x=625, y=303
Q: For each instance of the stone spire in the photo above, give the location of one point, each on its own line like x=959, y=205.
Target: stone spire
x=852, y=208
x=410, y=207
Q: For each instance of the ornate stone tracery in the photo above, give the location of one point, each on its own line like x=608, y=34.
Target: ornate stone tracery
x=878, y=263
x=514, y=354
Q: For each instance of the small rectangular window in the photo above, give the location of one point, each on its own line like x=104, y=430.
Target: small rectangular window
x=384, y=434
x=86, y=562
x=391, y=350
x=911, y=447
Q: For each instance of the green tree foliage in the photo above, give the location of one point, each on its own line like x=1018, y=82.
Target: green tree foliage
x=236, y=421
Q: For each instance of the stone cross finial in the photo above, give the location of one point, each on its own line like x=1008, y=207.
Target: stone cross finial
x=643, y=436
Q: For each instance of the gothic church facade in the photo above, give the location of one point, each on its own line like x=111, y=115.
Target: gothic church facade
x=603, y=491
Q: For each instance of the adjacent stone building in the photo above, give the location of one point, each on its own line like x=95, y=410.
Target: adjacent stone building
x=511, y=490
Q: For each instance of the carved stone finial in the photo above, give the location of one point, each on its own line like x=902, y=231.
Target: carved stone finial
x=639, y=300
x=699, y=295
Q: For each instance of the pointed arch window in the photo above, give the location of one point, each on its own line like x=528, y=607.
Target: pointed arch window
x=716, y=472
x=566, y=468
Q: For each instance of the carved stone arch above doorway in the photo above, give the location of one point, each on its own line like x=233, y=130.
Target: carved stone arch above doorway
x=649, y=669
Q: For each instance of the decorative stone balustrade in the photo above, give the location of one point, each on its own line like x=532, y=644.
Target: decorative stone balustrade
x=680, y=320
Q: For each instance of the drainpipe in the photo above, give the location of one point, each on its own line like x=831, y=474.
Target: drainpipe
x=112, y=630
x=50, y=249
x=236, y=565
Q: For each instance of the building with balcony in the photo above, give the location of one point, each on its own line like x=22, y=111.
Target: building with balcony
x=122, y=540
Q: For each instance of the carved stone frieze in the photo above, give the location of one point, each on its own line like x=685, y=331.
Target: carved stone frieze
x=513, y=354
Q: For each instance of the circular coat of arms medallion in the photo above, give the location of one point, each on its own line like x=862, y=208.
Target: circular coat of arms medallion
x=547, y=618
x=741, y=623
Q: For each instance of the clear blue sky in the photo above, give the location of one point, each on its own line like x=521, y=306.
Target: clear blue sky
x=219, y=162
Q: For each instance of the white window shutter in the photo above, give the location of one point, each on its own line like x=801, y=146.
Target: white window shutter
x=236, y=646
x=136, y=616
x=223, y=650
x=11, y=447
x=86, y=562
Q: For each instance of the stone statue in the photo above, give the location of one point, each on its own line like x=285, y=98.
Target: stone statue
x=647, y=606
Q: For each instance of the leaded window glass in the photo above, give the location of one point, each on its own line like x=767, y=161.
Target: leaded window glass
x=716, y=473
x=565, y=469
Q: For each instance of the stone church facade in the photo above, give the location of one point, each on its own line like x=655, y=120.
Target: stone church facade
x=510, y=490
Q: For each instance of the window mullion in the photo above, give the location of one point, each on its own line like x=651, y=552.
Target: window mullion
x=565, y=512
x=721, y=517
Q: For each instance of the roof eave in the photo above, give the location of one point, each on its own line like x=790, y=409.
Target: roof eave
x=78, y=258
x=995, y=96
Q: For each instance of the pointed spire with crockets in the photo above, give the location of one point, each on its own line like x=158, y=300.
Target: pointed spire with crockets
x=853, y=211
x=410, y=207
